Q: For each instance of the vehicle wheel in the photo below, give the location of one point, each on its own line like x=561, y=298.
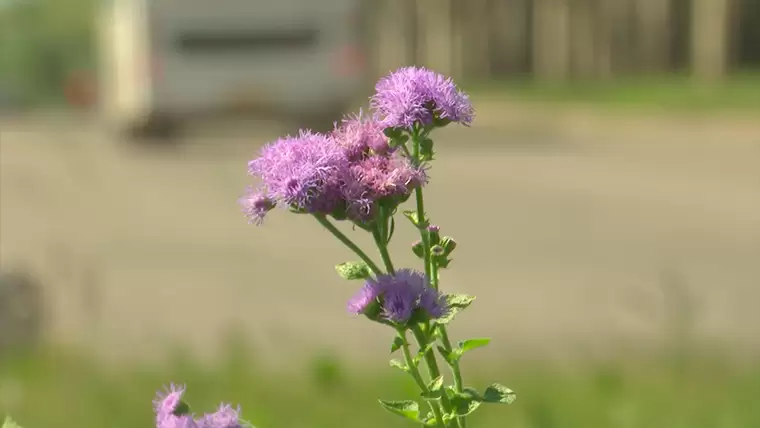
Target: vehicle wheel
x=154, y=129
x=21, y=311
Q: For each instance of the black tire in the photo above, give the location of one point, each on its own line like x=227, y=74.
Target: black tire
x=156, y=129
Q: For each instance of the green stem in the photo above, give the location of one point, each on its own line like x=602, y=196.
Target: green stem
x=455, y=371
x=348, y=243
x=383, y=247
x=415, y=372
x=421, y=221
x=432, y=365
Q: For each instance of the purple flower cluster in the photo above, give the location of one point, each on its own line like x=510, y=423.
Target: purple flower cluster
x=399, y=296
x=347, y=172
x=172, y=412
x=413, y=95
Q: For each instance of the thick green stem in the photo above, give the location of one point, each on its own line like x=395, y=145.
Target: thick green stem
x=415, y=372
x=432, y=365
x=348, y=243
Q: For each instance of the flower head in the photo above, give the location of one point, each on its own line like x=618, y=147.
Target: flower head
x=412, y=95
x=256, y=204
x=225, y=417
x=376, y=178
x=368, y=294
x=168, y=401
x=360, y=135
x=401, y=294
x=171, y=421
x=303, y=172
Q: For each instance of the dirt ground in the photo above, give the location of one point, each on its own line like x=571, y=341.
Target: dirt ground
x=580, y=236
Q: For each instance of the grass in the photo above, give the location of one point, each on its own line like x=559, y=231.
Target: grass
x=738, y=92
x=66, y=390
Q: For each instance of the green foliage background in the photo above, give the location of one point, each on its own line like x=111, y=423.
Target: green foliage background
x=41, y=42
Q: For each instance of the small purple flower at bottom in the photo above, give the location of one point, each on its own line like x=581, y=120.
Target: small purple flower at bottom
x=171, y=421
x=225, y=417
x=400, y=295
x=168, y=401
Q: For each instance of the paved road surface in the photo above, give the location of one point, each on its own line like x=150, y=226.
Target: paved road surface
x=576, y=243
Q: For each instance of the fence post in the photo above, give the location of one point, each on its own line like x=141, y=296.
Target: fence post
x=709, y=38
x=551, y=44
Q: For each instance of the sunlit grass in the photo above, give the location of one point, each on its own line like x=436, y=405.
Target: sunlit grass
x=740, y=91
x=65, y=390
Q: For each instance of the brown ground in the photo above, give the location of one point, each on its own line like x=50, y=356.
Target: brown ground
x=578, y=235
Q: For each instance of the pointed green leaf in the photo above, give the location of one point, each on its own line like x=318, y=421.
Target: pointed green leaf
x=397, y=344
x=392, y=229
x=399, y=365
x=407, y=409
x=436, y=384
x=413, y=217
x=10, y=423
x=353, y=270
x=456, y=303
x=432, y=395
x=470, y=344
x=497, y=393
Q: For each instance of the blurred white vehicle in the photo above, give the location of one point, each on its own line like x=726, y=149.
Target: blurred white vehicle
x=163, y=61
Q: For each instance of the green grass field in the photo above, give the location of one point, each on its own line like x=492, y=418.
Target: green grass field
x=68, y=391
x=739, y=92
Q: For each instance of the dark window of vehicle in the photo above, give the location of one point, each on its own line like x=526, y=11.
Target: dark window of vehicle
x=250, y=42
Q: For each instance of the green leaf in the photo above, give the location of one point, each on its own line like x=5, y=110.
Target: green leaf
x=435, y=384
x=10, y=423
x=397, y=344
x=497, y=393
x=465, y=403
x=399, y=365
x=456, y=303
x=413, y=217
x=407, y=409
x=353, y=270
x=470, y=344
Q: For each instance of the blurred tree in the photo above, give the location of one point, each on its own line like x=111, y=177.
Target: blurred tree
x=42, y=42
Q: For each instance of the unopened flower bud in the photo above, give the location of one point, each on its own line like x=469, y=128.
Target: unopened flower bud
x=418, y=249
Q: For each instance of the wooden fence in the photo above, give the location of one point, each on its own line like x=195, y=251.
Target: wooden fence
x=562, y=39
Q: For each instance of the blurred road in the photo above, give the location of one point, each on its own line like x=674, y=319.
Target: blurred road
x=577, y=242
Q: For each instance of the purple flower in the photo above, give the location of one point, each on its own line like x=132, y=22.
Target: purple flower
x=378, y=177
x=368, y=294
x=225, y=417
x=401, y=294
x=360, y=135
x=171, y=421
x=304, y=172
x=256, y=205
x=168, y=401
x=412, y=95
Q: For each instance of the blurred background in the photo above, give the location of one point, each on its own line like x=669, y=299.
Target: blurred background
x=606, y=202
